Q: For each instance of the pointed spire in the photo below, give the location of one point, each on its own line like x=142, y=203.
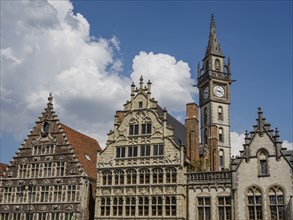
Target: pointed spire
x=213, y=45
x=260, y=121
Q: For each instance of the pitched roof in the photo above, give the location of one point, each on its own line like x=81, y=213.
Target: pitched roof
x=85, y=148
x=2, y=168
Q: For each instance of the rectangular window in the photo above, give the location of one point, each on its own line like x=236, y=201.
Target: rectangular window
x=132, y=151
x=117, y=206
x=60, y=168
x=120, y=152
x=204, y=208
x=157, y=206
x=105, y=206
x=158, y=150
x=263, y=167
x=146, y=128
x=71, y=193
x=170, y=206
x=143, y=206
x=139, y=104
x=133, y=129
x=57, y=193
x=255, y=207
x=145, y=150
x=130, y=206
x=224, y=207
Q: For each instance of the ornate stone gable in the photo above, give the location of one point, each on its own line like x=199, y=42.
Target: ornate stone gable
x=141, y=172
x=47, y=172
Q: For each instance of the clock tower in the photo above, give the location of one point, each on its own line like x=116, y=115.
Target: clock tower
x=214, y=79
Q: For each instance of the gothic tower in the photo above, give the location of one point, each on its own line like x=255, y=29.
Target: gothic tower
x=214, y=79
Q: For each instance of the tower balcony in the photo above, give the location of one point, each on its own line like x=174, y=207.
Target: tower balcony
x=213, y=74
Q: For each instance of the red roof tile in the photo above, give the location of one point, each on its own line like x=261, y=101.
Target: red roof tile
x=85, y=148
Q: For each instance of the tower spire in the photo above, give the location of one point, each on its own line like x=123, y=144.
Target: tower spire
x=213, y=45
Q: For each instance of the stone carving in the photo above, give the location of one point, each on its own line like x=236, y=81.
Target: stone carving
x=133, y=140
x=23, y=160
x=55, y=207
x=143, y=191
x=49, y=158
x=8, y=183
x=68, y=207
x=10, y=174
x=118, y=191
x=157, y=190
x=46, y=181
x=5, y=208
x=146, y=139
x=103, y=163
x=72, y=181
x=17, y=207
x=106, y=191
x=130, y=191
x=172, y=158
x=72, y=171
x=43, y=208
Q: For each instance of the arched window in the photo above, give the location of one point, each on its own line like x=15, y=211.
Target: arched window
x=220, y=113
x=144, y=176
x=262, y=156
x=221, y=134
x=171, y=175
x=217, y=65
x=119, y=177
x=221, y=158
x=46, y=127
x=254, y=203
x=205, y=136
x=107, y=178
x=205, y=116
x=277, y=203
x=157, y=176
x=131, y=176
x=207, y=65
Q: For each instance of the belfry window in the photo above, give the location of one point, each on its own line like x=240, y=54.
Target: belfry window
x=221, y=135
x=277, y=203
x=220, y=113
x=217, y=65
x=205, y=116
x=254, y=203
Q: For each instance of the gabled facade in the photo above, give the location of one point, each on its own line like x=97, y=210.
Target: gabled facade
x=141, y=170
x=52, y=176
x=263, y=176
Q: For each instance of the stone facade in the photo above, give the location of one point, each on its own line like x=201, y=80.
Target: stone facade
x=141, y=172
x=52, y=176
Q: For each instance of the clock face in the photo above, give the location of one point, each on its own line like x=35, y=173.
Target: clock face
x=206, y=92
x=219, y=91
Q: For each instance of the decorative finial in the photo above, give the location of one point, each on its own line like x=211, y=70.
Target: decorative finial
x=50, y=98
x=213, y=20
x=276, y=132
x=141, y=81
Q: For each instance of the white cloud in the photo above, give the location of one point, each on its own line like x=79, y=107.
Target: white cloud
x=47, y=48
x=237, y=141
x=287, y=145
x=171, y=80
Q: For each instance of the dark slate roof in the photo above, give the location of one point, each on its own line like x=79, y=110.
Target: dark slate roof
x=289, y=155
x=179, y=128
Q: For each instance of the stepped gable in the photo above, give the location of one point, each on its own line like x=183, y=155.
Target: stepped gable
x=85, y=148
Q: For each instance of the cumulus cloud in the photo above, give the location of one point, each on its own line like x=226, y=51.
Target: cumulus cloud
x=287, y=145
x=171, y=80
x=47, y=48
x=237, y=141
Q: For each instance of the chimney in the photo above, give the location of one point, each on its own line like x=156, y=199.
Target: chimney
x=192, y=132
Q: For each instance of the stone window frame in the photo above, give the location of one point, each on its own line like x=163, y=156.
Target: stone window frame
x=130, y=206
x=118, y=204
x=279, y=193
x=71, y=193
x=45, y=191
x=221, y=158
x=205, y=206
x=225, y=206
x=131, y=176
x=143, y=205
x=254, y=193
x=158, y=149
x=220, y=113
x=132, y=151
x=205, y=116
x=171, y=175
x=133, y=129
x=158, y=175
x=157, y=206
x=263, y=162
x=107, y=178
x=105, y=206
x=170, y=206
x=119, y=177
x=144, y=176
x=221, y=134
x=217, y=64
x=121, y=152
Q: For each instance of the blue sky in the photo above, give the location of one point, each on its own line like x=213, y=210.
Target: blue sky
x=120, y=40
